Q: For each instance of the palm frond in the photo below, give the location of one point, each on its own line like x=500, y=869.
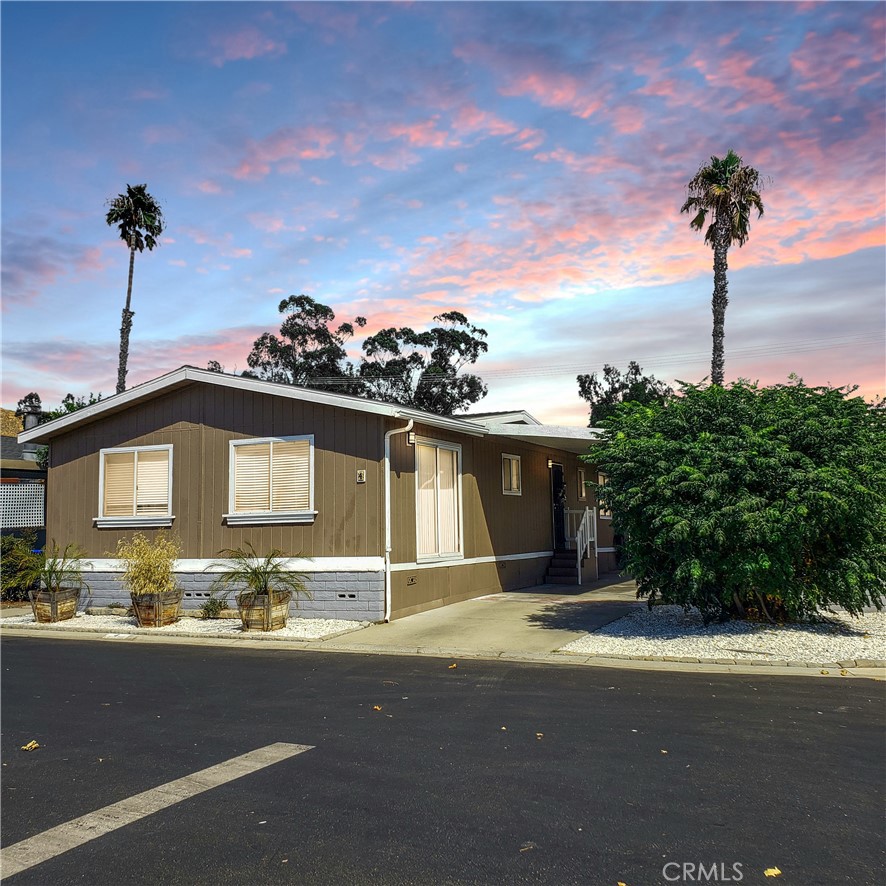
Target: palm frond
x=244, y=570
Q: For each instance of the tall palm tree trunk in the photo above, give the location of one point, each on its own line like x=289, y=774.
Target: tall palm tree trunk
x=126, y=328
x=719, y=301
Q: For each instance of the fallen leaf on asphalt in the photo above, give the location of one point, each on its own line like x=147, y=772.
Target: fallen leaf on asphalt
x=453, y=665
x=825, y=672
x=390, y=683
x=30, y=746
x=844, y=673
x=376, y=707
x=539, y=735
x=772, y=872
x=504, y=728
x=527, y=846
x=621, y=884
x=664, y=751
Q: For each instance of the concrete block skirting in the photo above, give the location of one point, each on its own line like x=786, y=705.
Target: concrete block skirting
x=354, y=595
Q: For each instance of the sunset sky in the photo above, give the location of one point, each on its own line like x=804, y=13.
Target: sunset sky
x=522, y=163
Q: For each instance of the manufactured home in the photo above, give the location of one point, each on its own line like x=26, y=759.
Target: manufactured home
x=387, y=510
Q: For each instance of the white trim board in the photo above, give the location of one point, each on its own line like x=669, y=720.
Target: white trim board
x=208, y=565
x=469, y=561
x=186, y=374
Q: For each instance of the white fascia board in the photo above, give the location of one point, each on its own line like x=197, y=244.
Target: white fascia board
x=139, y=392
x=186, y=374
x=570, y=439
x=518, y=416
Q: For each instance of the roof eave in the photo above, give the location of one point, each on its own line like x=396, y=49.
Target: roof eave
x=188, y=374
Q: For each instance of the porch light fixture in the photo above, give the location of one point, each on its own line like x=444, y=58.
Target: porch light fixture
x=550, y=463
x=410, y=438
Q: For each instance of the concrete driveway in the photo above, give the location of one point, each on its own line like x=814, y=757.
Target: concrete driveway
x=534, y=621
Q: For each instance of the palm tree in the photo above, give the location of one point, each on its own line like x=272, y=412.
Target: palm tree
x=139, y=219
x=728, y=190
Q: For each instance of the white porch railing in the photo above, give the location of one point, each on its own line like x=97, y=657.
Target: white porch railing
x=581, y=531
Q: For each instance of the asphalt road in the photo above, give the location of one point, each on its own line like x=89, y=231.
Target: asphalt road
x=489, y=772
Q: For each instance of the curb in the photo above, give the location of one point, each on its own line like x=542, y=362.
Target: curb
x=778, y=667
x=133, y=631
x=752, y=662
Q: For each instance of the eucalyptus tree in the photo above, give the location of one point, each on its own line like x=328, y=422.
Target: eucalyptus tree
x=139, y=219
x=726, y=190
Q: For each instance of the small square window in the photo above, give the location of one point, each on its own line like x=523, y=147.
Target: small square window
x=511, y=478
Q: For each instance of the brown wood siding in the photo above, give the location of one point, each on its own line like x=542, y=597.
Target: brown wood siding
x=200, y=421
x=495, y=524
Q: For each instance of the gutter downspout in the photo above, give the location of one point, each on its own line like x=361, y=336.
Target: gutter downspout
x=387, y=469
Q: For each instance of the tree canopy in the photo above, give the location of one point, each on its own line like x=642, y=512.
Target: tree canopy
x=604, y=394
x=309, y=351
x=750, y=500
x=423, y=370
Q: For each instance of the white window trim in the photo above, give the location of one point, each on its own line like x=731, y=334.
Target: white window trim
x=602, y=480
x=582, y=489
x=516, y=458
x=133, y=522
x=261, y=518
x=440, y=558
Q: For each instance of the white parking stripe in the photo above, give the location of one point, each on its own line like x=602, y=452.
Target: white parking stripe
x=21, y=856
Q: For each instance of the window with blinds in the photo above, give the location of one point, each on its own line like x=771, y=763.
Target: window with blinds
x=272, y=477
x=438, y=500
x=511, y=478
x=136, y=483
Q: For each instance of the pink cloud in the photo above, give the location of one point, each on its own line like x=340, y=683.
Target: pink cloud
x=242, y=45
x=420, y=135
x=285, y=148
x=208, y=186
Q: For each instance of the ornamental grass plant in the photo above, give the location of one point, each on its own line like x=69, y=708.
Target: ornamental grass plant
x=247, y=573
x=148, y=563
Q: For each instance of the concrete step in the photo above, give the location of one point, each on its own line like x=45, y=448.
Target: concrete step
x=562, y=570
x=561, y=579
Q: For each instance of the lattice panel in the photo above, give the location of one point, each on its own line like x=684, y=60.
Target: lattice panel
x=22, y=505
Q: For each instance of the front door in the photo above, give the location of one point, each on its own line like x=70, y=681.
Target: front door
x=558, y=497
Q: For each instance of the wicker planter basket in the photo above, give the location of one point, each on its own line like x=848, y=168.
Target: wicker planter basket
x=263, y=612
x=157, y=610
x=57, y=605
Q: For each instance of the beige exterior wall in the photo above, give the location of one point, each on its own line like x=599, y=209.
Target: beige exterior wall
x=494, y=525
x=199, y=421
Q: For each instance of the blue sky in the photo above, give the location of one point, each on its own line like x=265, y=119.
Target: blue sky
x=522, y=163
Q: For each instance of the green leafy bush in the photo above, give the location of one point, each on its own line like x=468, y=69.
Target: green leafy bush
x=148, y=564
x=213, y=607
x=744, y=500
x=17, y=562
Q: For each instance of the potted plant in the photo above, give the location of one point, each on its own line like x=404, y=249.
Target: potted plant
x=57, y=575
x=148, y=576
x=267, y=587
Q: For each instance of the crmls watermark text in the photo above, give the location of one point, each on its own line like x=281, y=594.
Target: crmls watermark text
x=699, y=872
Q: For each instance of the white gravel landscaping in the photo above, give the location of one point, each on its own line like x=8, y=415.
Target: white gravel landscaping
x=669, y=631
x=295, y=629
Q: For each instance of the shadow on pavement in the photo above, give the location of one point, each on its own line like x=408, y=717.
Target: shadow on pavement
x=587, y=616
